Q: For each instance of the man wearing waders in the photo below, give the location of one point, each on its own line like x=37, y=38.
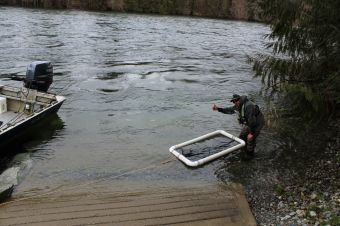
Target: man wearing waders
x=249, y=116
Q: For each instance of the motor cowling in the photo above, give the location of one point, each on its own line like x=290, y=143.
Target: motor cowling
x=39, y=76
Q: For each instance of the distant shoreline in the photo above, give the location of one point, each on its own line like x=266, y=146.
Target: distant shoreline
x=246, y=10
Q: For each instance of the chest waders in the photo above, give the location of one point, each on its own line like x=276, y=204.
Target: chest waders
x=250, y=145
x=241, y=119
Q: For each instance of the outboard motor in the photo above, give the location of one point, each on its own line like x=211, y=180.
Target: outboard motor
x=39, y=76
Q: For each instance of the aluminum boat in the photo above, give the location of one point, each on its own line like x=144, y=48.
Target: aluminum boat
x=22, y=107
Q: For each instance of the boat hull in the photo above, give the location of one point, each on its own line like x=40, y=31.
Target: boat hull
x=12, y=136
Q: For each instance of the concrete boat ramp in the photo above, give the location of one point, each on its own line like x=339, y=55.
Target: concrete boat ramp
x=173, y=204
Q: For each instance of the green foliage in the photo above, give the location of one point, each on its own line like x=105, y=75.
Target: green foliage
x=312, y=207
x=280, y=190
x=305, y=64
x=334, y=221
x=96, y=4
x=132, y=5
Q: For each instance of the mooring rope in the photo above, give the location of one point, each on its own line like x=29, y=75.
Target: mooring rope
x=89, y=183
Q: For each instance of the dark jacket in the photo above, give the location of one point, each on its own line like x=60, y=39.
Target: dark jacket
x=249, y=114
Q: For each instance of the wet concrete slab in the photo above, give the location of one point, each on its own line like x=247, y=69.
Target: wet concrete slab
x=112, y=204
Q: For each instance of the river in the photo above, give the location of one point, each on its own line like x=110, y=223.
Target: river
x=135, y=85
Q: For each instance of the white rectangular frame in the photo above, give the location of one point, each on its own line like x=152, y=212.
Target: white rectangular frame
x=210, y=157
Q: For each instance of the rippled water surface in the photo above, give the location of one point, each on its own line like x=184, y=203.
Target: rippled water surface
x=135, y=85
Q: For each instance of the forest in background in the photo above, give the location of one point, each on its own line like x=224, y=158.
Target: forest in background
x=224, y=9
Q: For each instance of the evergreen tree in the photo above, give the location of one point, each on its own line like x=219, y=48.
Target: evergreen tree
x=305, y=64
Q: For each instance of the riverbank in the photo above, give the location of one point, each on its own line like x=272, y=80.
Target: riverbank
x=115, y=203
x=222, y=9
x=125, y=83
x=300, y=188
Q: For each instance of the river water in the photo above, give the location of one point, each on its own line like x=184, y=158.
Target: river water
x=135, y=85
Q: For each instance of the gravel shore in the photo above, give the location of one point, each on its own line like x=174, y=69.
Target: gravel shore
x=304, y=194
x=312, y=199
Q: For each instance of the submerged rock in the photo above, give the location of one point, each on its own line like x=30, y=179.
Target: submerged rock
x=8, y=179
x=6, y=192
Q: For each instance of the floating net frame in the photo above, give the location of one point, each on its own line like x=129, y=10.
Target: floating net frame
x=209, y=158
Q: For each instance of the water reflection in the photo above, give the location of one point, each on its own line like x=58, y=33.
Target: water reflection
x=109, y=90
x=32, y=140
x=110, y=75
